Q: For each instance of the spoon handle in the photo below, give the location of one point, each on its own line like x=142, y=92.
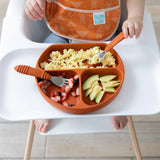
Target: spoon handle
x=116, y=40
x=32, y=71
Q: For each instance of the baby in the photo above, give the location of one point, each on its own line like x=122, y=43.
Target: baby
x=131, y=27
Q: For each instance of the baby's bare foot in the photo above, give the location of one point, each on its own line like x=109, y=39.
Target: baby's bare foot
x=42, y=125
x=119, y=122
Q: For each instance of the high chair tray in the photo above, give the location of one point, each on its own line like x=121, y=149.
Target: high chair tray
x=139, y=95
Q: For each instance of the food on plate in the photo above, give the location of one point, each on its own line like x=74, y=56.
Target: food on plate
x=110, y=84
x=71, y=59
x=89, y=81
x=110, y=90
x=94, y=93
x=107, y=61
x=61, y=96
x=95, y=87
x=91, y=89
x=99, y=96
x=107, y=78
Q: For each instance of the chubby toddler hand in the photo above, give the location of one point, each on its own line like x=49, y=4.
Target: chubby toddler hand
x=35, y=9
x=132, y=27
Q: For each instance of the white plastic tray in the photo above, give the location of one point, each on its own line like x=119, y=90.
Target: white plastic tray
x=21, y=100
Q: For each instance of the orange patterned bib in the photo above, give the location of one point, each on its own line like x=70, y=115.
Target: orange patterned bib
x=90, y=20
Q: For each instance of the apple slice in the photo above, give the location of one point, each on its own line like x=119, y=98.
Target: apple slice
x=89, y=81
x=99, y=96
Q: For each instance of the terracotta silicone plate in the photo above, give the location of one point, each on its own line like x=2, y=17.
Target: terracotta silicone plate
x=81, y=103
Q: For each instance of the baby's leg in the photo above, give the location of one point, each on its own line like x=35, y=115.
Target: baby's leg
x=119, y=122
x=42, y=125
x=52, y=38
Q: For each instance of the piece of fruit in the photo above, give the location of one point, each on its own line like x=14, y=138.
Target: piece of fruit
x=67, y=89
x=107, y=78
x=56, y=98
x=93, y=84
x=99, y=96
x=76, y=82
x=113, y=82
x=64, y=103
x=77, y=91
x=110, y=90
x=73, y=93
x=89, y=81
x=63, y=96
x=53, y=93
x=94, y=93
x=110, y=84
x=94, y=89
x=75, y=77
x=88, y=92
x=91, y=89
x=41, y=84
x=63, y=88
x=59, y=93
x=71, y=83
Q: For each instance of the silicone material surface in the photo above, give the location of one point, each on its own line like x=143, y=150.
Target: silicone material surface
x=81, y=103
x=115, y=41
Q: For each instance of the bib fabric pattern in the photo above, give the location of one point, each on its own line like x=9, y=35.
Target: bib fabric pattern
x=86, y=20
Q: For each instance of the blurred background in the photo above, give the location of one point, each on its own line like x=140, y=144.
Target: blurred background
x=102, y=146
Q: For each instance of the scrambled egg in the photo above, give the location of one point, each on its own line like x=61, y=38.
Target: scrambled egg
x=71, y=59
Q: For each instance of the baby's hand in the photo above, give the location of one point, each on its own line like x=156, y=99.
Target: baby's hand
x=132, y=26
x=35, y=9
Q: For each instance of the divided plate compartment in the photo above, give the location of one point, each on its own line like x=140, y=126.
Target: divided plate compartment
x=81, y=104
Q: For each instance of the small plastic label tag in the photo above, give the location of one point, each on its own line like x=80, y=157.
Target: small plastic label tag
x=99, y=18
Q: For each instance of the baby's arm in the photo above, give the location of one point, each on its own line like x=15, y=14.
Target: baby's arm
x=134, y=23
x=35, y=9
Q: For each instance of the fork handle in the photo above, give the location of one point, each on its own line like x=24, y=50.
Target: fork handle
x=116, y=40
x=32, y=71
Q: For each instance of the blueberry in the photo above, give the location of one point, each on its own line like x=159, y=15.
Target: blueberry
x=76, y=81
x=59, y=93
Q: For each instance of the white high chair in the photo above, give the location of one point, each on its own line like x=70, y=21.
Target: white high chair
x=23, y=46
